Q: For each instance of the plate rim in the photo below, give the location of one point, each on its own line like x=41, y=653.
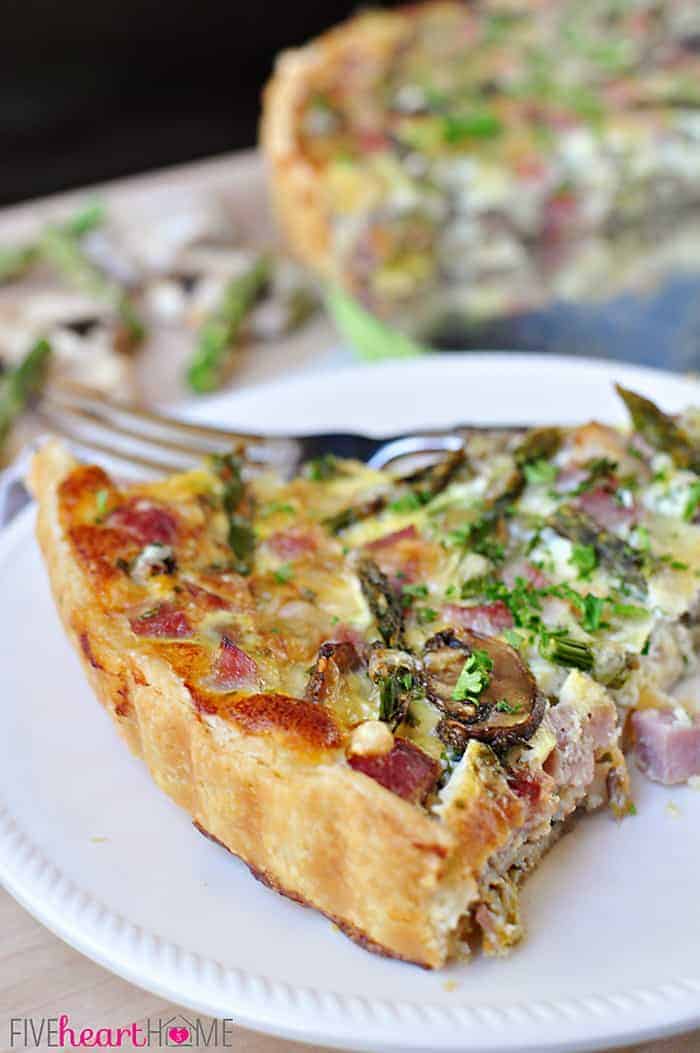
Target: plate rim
x=280, y=1008
x=202, y=407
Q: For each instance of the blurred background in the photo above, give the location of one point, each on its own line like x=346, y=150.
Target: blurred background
x=92, y=91
x=95, y=91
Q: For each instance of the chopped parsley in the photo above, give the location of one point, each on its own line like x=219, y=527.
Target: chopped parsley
x=592, y=612
x=693, y=502
x=540, y=472
x=628, y=610
x=426, y=615
x=474, y=677
x=321, y=469
x=409, y=502
x=277, y=508
x=514, y=638
x=504, y=706
x=642, y=539
x=584, y=558
x=481, y=124
x=284, y=573
x=477, y=537
x=412, y=591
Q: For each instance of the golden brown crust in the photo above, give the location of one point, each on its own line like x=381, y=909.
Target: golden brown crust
x=296, y=183
x=351, y=931
x=265, y=774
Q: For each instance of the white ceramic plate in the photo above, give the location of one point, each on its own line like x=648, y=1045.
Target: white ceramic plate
x=91, y=847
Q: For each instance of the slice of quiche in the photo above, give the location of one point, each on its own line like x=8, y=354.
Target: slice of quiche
x=390, y=697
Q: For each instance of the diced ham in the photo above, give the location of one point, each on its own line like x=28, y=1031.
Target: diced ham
x=208, y=601
x=603, y=507
x=569, y=479
x=292, y=543
x=346, y=634
x=371, y=140
x=162, y=621
x=145, y=521
x=489, y=619
x=525, y=784
x=391, y=539
x=580, y=735
x=667, y=748
x=522, y=568
x=399, y=555
x=560, y=213
x=406, y=770
x=233, y=668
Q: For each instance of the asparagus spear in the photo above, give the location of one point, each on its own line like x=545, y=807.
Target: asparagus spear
x=536, y=444
x=16, y=260
x=563, y=650
x=611, y=550
x=660, y=430
x=89, y=217
x=20, y=383
x=221, y=330
x=352, y=514
x=241, y=536
x=397, y=687
x=62, y=249
x=383, y=602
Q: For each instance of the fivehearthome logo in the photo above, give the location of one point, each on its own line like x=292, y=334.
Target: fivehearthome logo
x=175, y=1032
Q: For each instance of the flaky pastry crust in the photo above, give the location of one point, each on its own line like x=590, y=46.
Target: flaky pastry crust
x=270, y=782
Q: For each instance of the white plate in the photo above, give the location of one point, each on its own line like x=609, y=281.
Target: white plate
x=90, y=846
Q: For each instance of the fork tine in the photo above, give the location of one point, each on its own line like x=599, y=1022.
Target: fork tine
x=159, y=431
x=99, y=419
x=214, y=438
x=93, y=445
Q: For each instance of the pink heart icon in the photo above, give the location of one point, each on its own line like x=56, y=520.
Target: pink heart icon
x=178, y=1035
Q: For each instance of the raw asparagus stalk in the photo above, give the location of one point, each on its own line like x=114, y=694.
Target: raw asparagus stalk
x=16, y=260
x=62, y=249
x=20, y=383
x=221, y=330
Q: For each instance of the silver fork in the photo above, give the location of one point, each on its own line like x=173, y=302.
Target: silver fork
x=158, y=443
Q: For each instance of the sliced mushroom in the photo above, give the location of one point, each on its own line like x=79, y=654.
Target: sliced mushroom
x=332, y=662
x=509, y=708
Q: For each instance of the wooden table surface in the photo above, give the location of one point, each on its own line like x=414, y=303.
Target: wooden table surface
x=40, y=976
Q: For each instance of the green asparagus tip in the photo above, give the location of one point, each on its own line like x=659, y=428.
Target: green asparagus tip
x=91, y=216
x=221, y=330
x=21, y=383
x=562, y=650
